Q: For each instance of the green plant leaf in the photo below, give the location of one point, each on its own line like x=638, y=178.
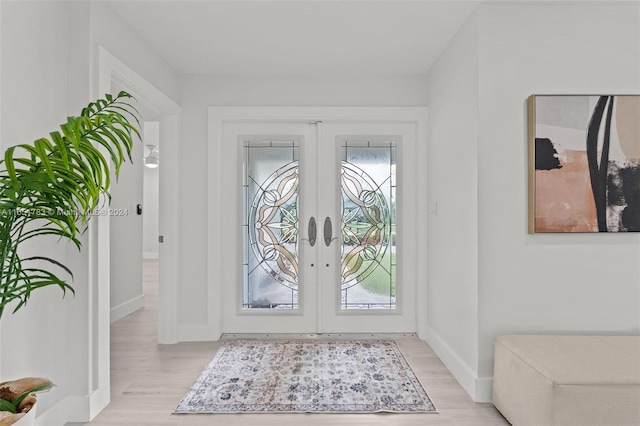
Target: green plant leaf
x=49, y=187
x=11, y=170
x=37, y=389
x=7, y=406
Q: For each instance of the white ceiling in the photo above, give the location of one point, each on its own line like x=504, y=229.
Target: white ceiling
x=297, y=37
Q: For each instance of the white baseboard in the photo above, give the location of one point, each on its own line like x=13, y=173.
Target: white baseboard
x=72, y=409
x=99, y=399
x=55, y=415
x=127, y=308
x=484, y=389
x=150, y=255
x=460, y=370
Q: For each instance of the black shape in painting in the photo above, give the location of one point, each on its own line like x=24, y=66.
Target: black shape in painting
x=546, y=155
x=630, y=218
x=598, y=167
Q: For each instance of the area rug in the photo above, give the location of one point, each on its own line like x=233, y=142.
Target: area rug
x=307, y=376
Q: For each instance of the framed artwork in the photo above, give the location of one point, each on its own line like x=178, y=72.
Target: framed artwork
x=584, y=163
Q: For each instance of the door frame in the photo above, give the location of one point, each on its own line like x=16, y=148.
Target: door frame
x=218, y=116
x=168, y=112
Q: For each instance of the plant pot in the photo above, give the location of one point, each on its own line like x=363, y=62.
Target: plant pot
x=20, y=395
x=28, y=419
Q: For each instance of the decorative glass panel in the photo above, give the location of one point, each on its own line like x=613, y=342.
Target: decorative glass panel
x=271, y=225
x=368, y=189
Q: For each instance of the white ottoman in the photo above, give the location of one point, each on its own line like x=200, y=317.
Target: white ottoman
x=568, y=380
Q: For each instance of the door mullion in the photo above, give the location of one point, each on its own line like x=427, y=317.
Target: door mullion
x=328, y=188
x=309, y=208
x=316, y=140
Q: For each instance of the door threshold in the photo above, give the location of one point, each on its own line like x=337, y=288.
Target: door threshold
x=319, y=336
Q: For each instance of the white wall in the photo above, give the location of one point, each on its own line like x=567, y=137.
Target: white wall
x=150, y=204
x=579, y=283
x=34, y=102
x=548, y=283
x=126, y=236
x=452, y=273
x=200, y=92
x=78, y=314
x=122, y=41
x=48, y=63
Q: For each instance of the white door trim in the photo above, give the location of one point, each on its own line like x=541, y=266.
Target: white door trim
x=111, y=69
x=219, y=115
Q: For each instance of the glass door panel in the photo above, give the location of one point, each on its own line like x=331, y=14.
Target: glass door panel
x=368, y=253
x=270, y=232
x=368, y=281
x=265, y=281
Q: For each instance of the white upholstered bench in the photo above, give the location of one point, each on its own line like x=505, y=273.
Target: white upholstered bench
x=554, y=380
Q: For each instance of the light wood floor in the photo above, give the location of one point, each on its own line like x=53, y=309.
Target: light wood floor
x=148, y=380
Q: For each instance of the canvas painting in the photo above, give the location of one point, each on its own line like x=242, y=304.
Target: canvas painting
x=584, y=163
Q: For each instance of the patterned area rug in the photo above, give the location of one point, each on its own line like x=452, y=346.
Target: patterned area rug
x=307, y=376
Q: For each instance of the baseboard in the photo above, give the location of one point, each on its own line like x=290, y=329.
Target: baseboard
x=460, y=370
x=98, y=400
x=127, y=308
x=72, y=409
x=55, y=415
x=150, y=255
x=78, y=409
x=484, y=389
x=315, y=336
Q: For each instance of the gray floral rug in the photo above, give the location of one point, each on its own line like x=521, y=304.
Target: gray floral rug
x=307, y=376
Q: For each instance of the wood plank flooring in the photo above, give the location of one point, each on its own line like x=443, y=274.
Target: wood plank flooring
x=148, y=380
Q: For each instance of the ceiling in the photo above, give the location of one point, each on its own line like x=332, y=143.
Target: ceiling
x=297, y=37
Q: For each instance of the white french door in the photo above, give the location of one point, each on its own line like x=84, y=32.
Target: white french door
x=320, y=229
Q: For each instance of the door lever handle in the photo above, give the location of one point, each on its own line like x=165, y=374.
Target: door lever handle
x=312, y=232
x=328, y=232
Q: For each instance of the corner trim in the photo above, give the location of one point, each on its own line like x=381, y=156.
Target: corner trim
x=460, y=370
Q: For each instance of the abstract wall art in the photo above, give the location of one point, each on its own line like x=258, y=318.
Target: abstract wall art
x=584, y=163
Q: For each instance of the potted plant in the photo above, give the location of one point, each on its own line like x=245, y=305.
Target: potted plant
x=17, y=399
x=52, y=187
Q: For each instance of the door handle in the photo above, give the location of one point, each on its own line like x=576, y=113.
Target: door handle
x=328, y=232
x=312, y=231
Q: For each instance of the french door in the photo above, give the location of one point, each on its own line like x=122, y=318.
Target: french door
x=319, y=227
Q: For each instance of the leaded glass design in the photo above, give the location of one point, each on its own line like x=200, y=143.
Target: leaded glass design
x=368, y=199
x=270, y=256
